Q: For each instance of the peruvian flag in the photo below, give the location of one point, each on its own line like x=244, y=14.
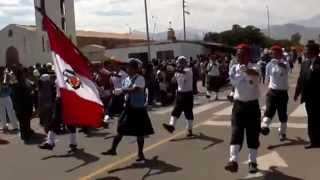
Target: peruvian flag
x=80, y=100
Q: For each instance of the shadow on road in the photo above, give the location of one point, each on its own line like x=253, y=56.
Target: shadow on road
x=272, y=174
x=80, y=155
x=202, y=137
x=154, y=166
x=4, y=142
x=290, y=142
x=97, y=134
x=36, y=139
x=109, y=178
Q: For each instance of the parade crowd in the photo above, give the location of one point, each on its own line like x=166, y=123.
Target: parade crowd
x=129, y=90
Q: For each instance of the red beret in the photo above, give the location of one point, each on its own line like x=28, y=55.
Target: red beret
x=243, y=46
x=276, y=47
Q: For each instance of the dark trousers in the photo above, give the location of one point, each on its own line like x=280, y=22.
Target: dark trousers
x=312, y=108
x=246, y=120
x=24, y=122
x=184, y=103
x=277, y=101
x=116, y=105
x=57, y=121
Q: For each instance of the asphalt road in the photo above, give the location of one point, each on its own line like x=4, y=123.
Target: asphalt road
x=171, y=156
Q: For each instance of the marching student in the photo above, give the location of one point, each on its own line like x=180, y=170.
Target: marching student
x=54, y=127
x=134, y=121
x=308, y=88
x=213, y=77
x=246, y=110
x=277, y=72
x=184, y=100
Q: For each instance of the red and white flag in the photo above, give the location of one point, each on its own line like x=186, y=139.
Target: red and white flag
x=80, y=100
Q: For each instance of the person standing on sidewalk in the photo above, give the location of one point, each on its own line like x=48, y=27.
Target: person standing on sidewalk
x=308, y=88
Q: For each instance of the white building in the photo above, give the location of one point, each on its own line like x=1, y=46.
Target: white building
x=31, y=42
x=165, y=50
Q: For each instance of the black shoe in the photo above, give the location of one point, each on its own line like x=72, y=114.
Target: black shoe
x=265, y=131
x=230, y=98
x=232, y=167
x=110, y=152
x=253, y=168
x=169, y=128
x=72, y=148
x=190, y=133
x=208, y=96
x=312, y=146
x=141, y=158
x=46, y=146
x=283, y=137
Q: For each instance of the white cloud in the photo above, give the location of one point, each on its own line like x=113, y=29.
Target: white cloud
x=214, y=15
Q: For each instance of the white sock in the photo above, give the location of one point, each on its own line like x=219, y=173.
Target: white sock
x=266, y=122
x=253, y=153
x=173, y=121
x=73, y=138
x=51, y=137
x=234, y=153
x=283, y=128
x=106, y=119
x=189, y=124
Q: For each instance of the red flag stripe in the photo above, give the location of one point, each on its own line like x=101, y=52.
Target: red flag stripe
x=80, y=112
x=61, y=45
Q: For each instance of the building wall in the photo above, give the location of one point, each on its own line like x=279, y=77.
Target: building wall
x=180, y=49
x=28, y=43
x=53, y=10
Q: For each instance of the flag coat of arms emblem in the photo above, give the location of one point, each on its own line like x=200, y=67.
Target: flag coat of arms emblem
x=80, y=100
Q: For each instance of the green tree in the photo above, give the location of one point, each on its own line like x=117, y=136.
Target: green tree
x=296, y=38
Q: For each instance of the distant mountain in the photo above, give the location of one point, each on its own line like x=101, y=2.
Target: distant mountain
x=192, y=34
x=285, y=32
x=310, y=22
x=308, y=28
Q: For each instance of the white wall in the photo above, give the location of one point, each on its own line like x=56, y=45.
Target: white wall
x=28, y=43
x=180, y=49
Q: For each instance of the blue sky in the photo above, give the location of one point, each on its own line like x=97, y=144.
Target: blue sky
x=214, y=15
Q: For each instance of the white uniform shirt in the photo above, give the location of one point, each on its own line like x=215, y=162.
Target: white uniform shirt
x=213, y=69
x=278, y=76
x=118, y=81
x=247, y=88
x=185, y=80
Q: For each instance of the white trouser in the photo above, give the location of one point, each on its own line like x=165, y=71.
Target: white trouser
x=51, y=138
x=173, y=122
x=6, y=108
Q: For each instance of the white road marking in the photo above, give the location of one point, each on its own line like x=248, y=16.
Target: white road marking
x=273, y=125
x=207, y=107
x=300, y=112
x=228, y=111
x=272, y=159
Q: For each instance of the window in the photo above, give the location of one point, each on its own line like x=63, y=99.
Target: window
x=143, y=56
x=43, y=45
x=10, y=33
x=62, y=7
x=63, y=24
x=165, y=55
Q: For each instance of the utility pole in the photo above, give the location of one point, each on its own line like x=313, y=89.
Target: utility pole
x=268, y=16
x=147, y=28
x=184, y=20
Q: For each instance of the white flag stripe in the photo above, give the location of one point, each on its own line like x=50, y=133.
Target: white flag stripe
x=87, y=90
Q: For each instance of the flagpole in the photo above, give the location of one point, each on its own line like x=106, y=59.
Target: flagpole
x=268, y=16
x=147, y=29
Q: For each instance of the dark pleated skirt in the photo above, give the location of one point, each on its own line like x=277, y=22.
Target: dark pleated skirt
x=135, y=122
